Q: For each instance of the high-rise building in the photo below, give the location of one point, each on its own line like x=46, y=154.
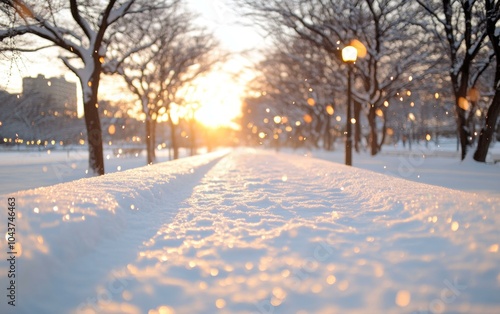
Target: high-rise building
x=59, y=93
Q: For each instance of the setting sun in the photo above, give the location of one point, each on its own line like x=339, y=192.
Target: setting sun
x=219, y=100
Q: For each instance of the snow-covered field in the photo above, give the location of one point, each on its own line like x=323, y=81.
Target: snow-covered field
x=23, y=170
x=250, y=231
x=431, y=165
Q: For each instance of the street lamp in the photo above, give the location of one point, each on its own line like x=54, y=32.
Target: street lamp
x=349, y=55
x=474, y=99
x=411, y=117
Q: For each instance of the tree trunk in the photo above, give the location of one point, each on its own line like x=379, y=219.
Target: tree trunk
x=494, y=110
x=153, y=139
x=373, y=131
x=192, y=137
x=93, y=123
x=357, y=126
x=94, y=137
x=384, y=135
x=470, y=121
x=150, y=159
x=487, y=132
x=463, y=133
x=173, y=137
x=327, y=138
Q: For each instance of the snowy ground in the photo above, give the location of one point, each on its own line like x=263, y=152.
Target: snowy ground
x=436, y=165
x=251, y=231
x=23, y=170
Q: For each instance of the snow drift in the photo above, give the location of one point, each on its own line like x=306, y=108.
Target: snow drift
x=254, y=232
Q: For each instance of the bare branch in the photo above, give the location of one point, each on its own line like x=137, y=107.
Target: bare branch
x=79, y=20
x=21, y=49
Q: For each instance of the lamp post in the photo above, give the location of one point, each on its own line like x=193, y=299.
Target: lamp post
x=436, y=96
x=475, y=111
x=411, y=117
x=349, y=55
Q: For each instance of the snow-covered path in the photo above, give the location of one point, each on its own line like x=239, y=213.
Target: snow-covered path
x=255, y=232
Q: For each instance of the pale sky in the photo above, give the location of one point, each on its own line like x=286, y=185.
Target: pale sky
x=219, y=16
x=216, y=15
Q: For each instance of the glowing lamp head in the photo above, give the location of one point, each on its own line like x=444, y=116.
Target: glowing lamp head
x=349, y=54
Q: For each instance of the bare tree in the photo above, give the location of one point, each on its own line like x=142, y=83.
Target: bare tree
x=492, y=10
x=461, y=26
x=83, y=38
x=180, y=53
x=195, y=57
x=298, y=78
x=395, y=49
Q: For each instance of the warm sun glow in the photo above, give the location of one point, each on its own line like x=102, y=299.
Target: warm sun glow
x=219, y=100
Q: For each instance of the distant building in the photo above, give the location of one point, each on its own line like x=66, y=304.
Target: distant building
x=60, y=93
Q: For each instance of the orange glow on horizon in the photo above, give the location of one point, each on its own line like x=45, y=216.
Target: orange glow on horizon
x=218, y=99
